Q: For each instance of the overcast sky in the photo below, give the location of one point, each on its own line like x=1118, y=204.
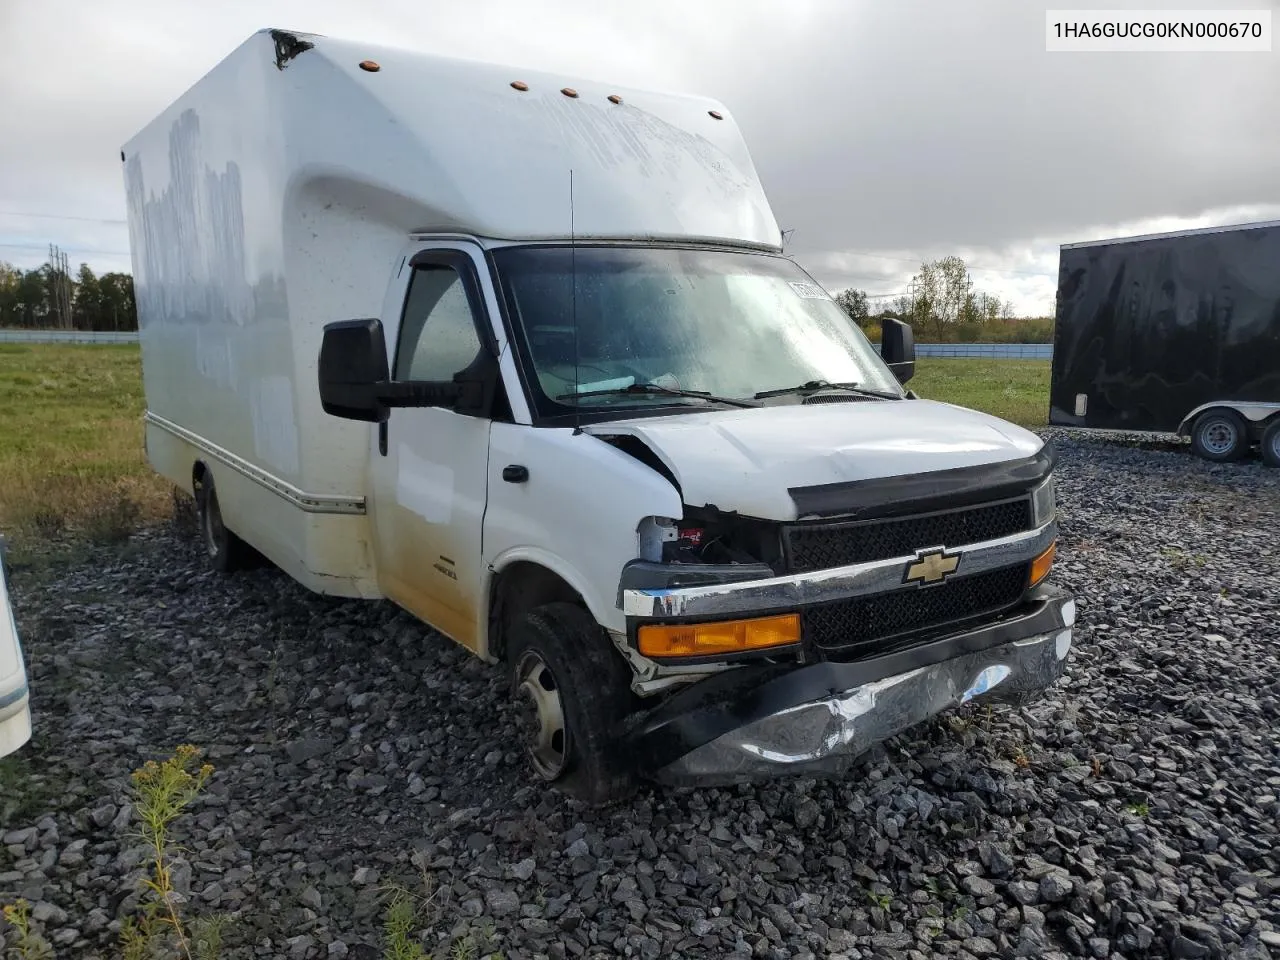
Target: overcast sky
x=885, y=132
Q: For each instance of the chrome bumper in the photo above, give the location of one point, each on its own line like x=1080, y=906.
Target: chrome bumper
x=760, y=723
x=820, y=586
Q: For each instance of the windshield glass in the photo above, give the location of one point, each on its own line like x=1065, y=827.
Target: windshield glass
x=726, y=324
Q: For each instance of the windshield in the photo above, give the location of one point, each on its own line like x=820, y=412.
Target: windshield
x=725, y=324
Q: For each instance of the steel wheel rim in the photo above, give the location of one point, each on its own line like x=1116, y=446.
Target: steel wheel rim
x=1219, y=436
x=546, y=736
x=1275, y=445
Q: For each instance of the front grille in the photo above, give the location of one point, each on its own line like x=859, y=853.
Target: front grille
x=860, y=626
x=820, y=546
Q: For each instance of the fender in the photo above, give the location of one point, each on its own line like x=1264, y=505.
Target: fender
x=578, y=497
x=1254, y=411
x=601, y=608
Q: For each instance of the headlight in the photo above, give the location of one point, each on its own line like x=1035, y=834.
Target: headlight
x=1044, y=505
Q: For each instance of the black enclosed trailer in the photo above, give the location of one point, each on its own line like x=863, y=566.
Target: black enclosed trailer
x=1173, y=333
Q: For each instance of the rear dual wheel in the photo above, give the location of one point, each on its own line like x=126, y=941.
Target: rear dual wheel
x=226, y=551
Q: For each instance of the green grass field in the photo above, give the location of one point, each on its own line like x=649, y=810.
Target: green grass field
x=71, y=441
x=71, y=455
x=1015, y=390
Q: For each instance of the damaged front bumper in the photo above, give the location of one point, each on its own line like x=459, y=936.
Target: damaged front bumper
x=763, y=721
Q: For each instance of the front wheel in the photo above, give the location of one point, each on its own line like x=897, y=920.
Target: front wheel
x=1220, y=436
x=572, y=691
x=1271, y=444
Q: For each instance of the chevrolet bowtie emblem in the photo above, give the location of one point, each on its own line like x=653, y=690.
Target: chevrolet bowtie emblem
x=932, y=566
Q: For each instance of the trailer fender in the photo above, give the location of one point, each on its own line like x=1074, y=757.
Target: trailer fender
x=1252, y=411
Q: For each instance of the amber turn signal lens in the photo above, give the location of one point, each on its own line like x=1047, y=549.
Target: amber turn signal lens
x=1042, y=564
x=722, y=637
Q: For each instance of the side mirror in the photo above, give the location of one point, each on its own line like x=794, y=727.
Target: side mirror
x=355, y=383
x=898, y=348
x=353, y=370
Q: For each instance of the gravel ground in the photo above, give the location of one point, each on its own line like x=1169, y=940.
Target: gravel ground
x=1133, y=813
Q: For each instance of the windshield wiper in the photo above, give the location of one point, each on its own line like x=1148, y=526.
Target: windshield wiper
x=813, y=385
x=653, y=388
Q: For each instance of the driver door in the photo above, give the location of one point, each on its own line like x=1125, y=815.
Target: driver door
x=429, y=464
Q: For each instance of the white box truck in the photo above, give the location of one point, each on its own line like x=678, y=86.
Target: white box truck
x=15, y=708
x=521, y=353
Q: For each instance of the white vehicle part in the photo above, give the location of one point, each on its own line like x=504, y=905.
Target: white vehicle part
x=746, y=460
x=1253, y=411
x=428, y=490
x=15, y=710
x=584, y=531
x=320, y=540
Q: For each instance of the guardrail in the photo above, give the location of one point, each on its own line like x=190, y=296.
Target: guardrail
x=995, y=351
x=999, y=351
x=68, y=336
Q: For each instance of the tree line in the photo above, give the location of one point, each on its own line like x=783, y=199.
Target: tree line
x=943, y=306
x=48, y=298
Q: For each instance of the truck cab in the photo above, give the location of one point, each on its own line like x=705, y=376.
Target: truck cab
x=680, y=495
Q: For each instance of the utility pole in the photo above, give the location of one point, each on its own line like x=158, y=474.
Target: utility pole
x=60, y=280
x=66, y=289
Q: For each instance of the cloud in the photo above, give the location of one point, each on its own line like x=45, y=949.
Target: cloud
x=885, y=133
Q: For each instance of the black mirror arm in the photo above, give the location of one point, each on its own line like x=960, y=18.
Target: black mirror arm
x=903, y=370
x=394, y=393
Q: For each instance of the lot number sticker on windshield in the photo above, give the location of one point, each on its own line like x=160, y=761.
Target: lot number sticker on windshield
x=810, y=291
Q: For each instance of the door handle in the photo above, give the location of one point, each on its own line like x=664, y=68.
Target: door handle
x=515, y=473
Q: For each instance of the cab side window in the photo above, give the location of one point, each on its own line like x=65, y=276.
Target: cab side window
x=437, y=332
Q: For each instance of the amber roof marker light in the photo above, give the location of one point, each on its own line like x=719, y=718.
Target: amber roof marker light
x=715, y=114
x=370, y=66
x=569, y=92
x=519, y=85
x=614, y=98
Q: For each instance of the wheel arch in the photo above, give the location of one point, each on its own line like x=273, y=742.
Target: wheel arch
x=1257, y=414
x=521, y=581
x=200, y=472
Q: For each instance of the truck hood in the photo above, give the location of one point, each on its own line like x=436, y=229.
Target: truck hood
x=747, y=460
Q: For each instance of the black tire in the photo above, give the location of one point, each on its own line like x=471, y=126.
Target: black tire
x=1271, y=444
x=226, y=551
x=1220, y=436
x=558, y=652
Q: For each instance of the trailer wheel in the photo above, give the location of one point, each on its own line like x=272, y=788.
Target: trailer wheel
x=572, y=691
x=1271, y=444
x=226, y=551
x=1220, y=435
